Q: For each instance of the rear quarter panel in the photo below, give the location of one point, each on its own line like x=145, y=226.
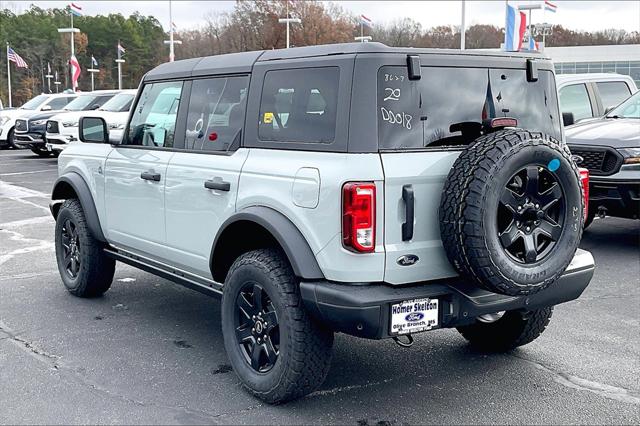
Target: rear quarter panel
x=284, y=181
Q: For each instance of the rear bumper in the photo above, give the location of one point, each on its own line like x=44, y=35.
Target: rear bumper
x=363, y=310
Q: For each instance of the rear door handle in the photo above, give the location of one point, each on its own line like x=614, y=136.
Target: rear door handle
x=218, y=185
x=407, y=226
x=150, y=175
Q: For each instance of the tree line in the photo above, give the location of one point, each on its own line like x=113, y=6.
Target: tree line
x=251, y=25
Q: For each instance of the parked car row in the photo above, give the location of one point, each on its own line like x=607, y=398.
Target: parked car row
x=601, y=113
x=49, y=122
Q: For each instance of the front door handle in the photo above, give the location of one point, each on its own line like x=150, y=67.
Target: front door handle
x=150, y=175
x=218, y=185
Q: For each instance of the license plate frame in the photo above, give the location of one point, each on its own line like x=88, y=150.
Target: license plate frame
x=414, y=316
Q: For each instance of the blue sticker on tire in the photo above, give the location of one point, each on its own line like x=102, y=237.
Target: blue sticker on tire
x=553, y=165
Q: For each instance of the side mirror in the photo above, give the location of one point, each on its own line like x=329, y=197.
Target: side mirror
x=93, y=130
x=46, y=108
x=94, y=106
x=608, y=110
x=567, y=118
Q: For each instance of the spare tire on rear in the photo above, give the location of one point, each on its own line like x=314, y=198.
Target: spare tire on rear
x=511, y=212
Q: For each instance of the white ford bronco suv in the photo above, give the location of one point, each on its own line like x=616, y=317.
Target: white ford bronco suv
x=355, y=188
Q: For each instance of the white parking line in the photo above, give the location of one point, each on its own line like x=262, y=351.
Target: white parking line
x=27, y=173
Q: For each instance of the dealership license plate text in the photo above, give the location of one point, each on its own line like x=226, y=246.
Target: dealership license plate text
x=412, y=316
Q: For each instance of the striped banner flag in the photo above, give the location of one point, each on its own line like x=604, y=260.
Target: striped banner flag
x=366, y=21
x=516, y=26
x=75, y=72
x=550, y=7
x=76, y=10
x=12, y=56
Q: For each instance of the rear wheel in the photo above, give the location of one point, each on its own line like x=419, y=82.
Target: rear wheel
x=84, y=268
x=502, y=333
x=278, y=352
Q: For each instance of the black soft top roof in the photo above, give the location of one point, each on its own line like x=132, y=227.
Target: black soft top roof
x=232, y=63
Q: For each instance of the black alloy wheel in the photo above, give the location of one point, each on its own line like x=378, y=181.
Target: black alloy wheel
x=256, y=325
x=71, y=248
x=531, y=214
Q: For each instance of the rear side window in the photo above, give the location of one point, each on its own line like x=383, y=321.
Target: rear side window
x=299, y=105
x=216, y=113
x=575, y=99
x=447, y=106
x=153, y=121
x=613, y=93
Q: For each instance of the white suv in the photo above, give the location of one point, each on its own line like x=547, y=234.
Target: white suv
x=352, y=188
x=62, y=129
x=40, y=103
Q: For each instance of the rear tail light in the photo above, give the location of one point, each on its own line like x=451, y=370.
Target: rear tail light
x=359, y=216
x=584, y=182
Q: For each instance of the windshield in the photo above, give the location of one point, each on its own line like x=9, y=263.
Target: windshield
x=628, y=109
x=80, y=103
x=119, y=103
x=35, y=102
x=448, y=105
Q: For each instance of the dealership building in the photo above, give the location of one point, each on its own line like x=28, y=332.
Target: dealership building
x=621, y=59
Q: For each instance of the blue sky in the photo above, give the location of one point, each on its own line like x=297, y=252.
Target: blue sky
x=584, y=15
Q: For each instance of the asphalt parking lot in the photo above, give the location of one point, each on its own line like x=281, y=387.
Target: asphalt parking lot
x=152, y=352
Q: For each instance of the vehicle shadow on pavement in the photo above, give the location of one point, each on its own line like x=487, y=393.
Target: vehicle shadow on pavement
x=612, y=234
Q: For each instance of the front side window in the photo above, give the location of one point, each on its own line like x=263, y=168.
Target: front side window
x=59, y=103
x=613, y=92
x=216, y=113
x=628, y=109
x=575, y=99
x=448, y=105
x=153, y=122
x=299, y=105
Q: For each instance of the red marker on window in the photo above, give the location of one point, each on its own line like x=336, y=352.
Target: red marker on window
x=213, y=136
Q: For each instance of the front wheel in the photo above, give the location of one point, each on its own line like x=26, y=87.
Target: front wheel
x=41, y=152
x=10, y=139
x=84, y=268
x=278, y=352
x=501, y=333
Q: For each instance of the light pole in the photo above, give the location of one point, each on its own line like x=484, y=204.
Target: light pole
x=93, y=71
x=463, y=28
x=171, y=42
x=288, y=21
x=72, y=32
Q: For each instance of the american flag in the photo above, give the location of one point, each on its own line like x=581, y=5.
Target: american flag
x=14, y=57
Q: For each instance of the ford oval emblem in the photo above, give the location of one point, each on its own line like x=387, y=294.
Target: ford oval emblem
x=577, y=159
x=407, y=260
x=414, y=316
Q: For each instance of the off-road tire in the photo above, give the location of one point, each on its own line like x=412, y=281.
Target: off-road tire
x=305, y=346
x=96, y=269
x=515, y=328
x=469, y=205
x=589, y=220
x=40, y=152
x=10, y=139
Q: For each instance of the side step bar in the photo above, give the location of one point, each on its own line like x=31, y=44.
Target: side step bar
x=186, y=279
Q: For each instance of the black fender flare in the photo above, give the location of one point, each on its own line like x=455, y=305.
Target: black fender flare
x=295, y=246
x=83, y=193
